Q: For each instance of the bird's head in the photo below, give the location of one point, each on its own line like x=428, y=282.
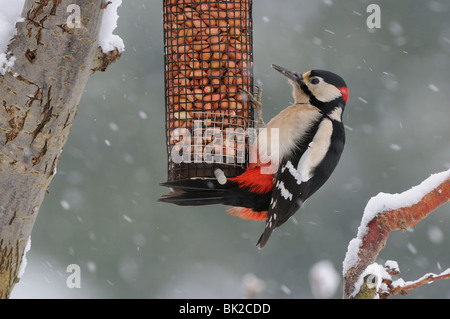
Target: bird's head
x=323, y=89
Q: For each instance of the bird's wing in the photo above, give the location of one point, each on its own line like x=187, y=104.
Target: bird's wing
x=294, y=182
x=302, y=174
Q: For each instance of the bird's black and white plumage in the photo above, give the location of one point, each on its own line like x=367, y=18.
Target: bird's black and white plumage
x=309, y=141
x=316, y=147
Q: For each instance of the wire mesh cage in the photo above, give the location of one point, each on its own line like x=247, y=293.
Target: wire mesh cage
x=208, y=64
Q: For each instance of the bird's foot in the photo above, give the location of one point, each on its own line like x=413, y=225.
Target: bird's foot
x=257, y=102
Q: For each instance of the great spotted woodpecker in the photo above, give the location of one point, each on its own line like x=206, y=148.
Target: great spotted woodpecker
x=311, y=140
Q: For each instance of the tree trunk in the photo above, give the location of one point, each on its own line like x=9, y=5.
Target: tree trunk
x=38, y=102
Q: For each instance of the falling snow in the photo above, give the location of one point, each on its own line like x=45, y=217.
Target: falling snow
x=65, y=204
x=323, y=279
x=411, y=248
x=362, y=100
x=436, y=235
x=143, y=115
x=91, y=266
x=113, y=127
x=286, y=289
x=433, y=87
x=395, y=147
x=127, y=218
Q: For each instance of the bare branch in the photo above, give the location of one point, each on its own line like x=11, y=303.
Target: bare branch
x=410, y=285
x=381, y=217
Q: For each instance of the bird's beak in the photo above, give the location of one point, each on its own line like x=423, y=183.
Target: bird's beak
x=294, y=76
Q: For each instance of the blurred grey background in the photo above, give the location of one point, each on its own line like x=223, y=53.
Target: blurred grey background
x=102, y=214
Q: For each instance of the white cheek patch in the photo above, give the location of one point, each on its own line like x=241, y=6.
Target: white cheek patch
x=325, y=92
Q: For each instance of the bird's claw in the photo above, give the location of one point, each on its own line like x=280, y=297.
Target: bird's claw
x=257, y=102
x=255, y=99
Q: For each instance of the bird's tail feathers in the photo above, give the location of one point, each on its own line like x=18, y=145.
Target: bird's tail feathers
x=262, y=241
x=195, y=192
x=195, y=198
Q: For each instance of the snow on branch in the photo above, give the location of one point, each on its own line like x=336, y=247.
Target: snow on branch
x=111, y=45
x=10, y=14
x=400, y=287
x=107, y=40
x=383, y=214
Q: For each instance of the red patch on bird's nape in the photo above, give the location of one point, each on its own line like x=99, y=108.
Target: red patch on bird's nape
x=247, y=213
x=344, y=92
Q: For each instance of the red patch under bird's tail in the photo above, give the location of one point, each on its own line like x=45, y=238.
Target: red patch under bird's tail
x=256, y=182
x=247, y=213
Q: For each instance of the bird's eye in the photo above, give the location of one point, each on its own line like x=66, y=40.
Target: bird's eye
x=371, y=281
x=314, y=81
